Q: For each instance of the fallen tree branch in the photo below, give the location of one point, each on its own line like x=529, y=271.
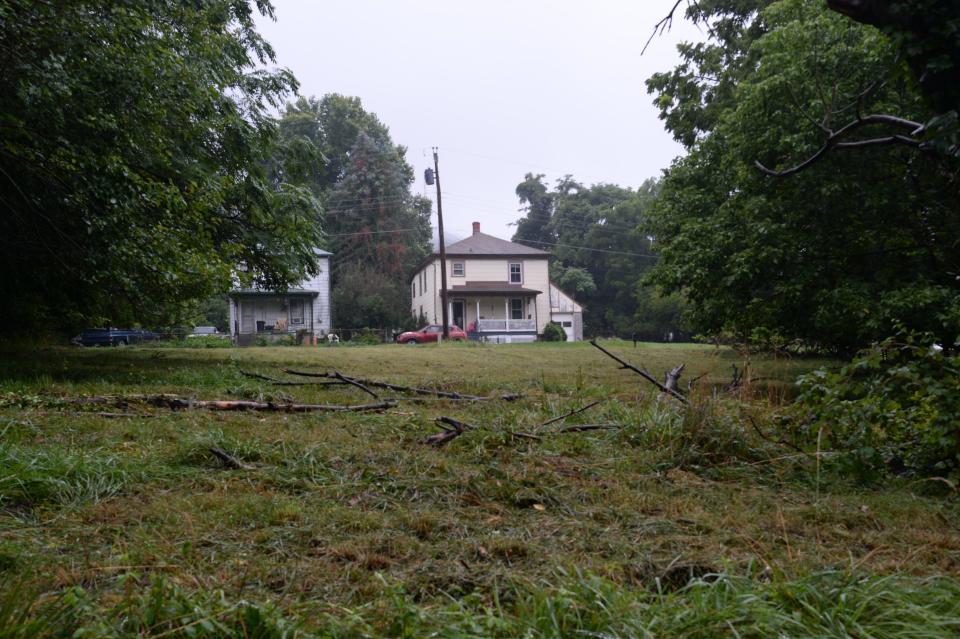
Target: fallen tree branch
x=781, y=441
x=229, y=460
x=353, y=382
x=289, y=382
x=447, y=434
x=565, y=415
x=642, y=373
x=673, y=377
x=579, y=428
x=175, y=402
x=509, y=397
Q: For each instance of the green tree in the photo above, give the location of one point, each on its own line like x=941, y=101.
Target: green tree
x=378, y=228
x=601, y=250
x=533, y=229
x=134, y=139
x=840, y=251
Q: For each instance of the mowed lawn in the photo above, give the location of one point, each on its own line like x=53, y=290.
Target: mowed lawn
x=349, y=521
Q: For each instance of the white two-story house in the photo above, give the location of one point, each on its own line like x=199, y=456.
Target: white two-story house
x=256, y=313
x=497, y=290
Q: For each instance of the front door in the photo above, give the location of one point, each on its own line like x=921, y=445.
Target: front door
x=459, y=307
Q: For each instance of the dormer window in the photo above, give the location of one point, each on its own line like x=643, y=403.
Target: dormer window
x=458, y=270
x=516, y=273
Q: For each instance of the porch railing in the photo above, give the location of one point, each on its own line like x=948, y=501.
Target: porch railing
x=504, y=325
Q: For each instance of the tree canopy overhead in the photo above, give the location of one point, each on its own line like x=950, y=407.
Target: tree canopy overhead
x=840, y=252
x=134, y=139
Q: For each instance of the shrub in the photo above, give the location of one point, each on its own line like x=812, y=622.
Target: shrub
x=553, y=332
x=895, y=405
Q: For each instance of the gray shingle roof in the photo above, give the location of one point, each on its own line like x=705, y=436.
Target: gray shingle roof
x=483, y=244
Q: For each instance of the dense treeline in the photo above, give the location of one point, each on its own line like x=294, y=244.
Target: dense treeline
x=602, y=249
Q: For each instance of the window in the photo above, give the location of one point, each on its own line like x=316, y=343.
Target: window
x=458, y=269
x=516, y=308
x=567, y=324
x=424, y=280
x=413, y=289
x=516, y=273
x=296, y=311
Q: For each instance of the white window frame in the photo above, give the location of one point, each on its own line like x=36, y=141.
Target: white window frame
x=453, y=269
x=519, y=308
x=510, y=266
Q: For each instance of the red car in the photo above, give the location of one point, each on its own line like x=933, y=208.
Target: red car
x=430, y=333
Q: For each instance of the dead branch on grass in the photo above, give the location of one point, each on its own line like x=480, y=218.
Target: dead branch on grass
x=175, y=402
x=642, y=373
x=508, y=397
x=356, y=383
x=673, y=377
x=565, y=415
x=579, y=428
x=447, y=434
x=229, y=460
x=780, y=441
x=290, y=382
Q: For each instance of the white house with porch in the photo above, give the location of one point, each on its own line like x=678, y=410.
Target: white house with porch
x=497, y=290
x=305, y=308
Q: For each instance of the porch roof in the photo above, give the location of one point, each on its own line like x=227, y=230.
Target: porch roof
x=252, y=292
x=492, y=288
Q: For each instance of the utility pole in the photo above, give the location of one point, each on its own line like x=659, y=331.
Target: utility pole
x=443, y=250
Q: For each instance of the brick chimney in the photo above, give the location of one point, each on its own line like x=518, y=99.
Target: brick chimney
x=476, y=227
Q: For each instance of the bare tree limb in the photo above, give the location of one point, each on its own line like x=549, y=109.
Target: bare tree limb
x=175, y=402
x=289, y=382
x=835, y=140
x=447, y=434
x=353, y=382
x=642, y=373
x=673, y=377
x=664, y=25
x=508, y=397
x=579, y=428
x=565, y=415
x=229, y=460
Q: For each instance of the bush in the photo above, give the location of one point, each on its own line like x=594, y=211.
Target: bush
x=553, y=332
x=895, y=406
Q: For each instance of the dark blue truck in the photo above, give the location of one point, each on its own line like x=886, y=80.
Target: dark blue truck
x=114, y=336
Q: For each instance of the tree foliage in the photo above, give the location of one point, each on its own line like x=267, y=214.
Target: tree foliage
x=375, y=227
x=601, y=249
x=834, y=255
x=134, y=139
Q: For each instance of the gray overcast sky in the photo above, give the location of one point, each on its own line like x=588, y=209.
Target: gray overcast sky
x=502, y=88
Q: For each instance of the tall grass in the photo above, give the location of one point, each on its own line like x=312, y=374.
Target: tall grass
x=32, y=476
x=828, y=605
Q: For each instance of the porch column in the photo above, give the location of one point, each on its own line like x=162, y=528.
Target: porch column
x=506, y=312
x=478, y=314
x=536, y=318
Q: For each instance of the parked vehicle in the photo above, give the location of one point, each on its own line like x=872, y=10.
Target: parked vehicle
x=206, y=331
x=430, y=333
x=114, y=336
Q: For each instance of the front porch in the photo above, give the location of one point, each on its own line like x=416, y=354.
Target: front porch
x=257, y=315
x=496, y=316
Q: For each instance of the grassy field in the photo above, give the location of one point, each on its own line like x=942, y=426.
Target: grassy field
x=672, y=522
